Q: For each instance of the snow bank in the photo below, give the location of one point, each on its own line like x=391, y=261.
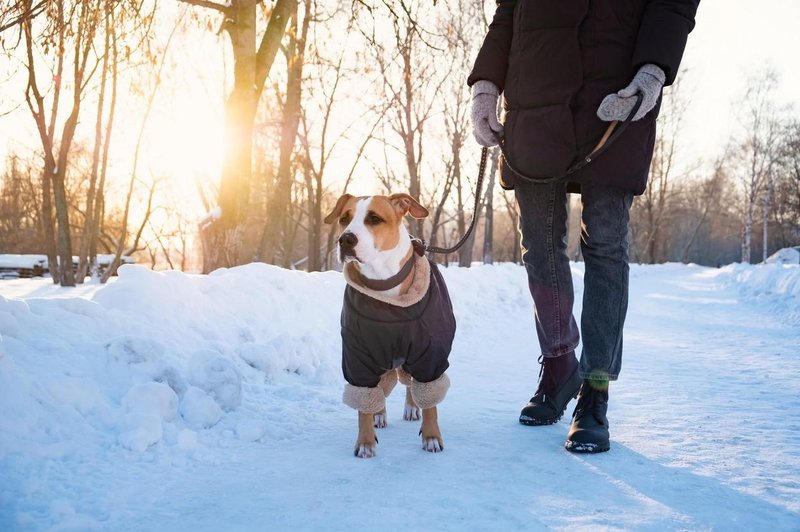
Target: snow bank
x=154, y=355
x=774, y=285
x=785, y=256
x=22, y=261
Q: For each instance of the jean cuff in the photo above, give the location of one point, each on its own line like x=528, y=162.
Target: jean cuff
x=560, y=352
x=598, y=375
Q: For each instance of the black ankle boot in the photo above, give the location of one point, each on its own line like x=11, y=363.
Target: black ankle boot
x=558, y=383
x=589, y=430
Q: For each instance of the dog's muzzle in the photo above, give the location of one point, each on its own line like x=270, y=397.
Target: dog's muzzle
x=347, y=246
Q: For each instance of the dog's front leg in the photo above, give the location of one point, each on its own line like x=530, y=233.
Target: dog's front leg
x=431, y=435
x=386, y=384
x=367, y=441
x=411, y=411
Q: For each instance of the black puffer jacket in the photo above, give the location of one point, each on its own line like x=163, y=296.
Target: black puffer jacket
x=556, y=60
x=378, y=336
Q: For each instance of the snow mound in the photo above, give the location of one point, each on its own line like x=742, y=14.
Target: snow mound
x=785, y=256
x=199, y=410
x=217, y=376
x=152, y=398
x=151, y=358
x=775, y=285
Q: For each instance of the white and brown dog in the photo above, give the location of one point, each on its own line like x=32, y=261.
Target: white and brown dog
x=397, y=319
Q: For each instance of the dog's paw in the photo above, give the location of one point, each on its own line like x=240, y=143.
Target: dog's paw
x=432, y=445
x=411, y=413
x=380, y=420
x=365, y=450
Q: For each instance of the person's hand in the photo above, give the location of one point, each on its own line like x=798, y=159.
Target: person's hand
x=617, y=106
x=485, y=126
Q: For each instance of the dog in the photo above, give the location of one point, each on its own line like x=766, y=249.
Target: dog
x=397, y=319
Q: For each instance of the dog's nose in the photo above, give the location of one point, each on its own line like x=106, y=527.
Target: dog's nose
x=348, y=240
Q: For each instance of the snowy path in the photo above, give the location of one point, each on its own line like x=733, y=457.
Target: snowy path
x=705, y=418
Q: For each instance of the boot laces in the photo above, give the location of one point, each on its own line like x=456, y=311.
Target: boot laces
x=546, y=380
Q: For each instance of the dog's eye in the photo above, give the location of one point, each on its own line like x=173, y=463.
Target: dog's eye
x=344, y=220
x=373, y=219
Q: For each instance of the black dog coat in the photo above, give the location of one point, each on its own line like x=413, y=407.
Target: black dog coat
x=378, y=336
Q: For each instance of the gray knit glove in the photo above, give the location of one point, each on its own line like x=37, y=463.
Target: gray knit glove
x=617, y=106
x=484, y=113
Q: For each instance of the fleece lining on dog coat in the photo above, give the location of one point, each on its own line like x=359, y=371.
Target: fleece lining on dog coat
x=378, y=336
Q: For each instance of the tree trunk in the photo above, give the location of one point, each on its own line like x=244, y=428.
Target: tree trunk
x=314, y=221
x=765, y=236
x=99, y=204
x=412, y=157
x=222, y=238
x=275, y=242
x=48, y=224
x=747, y=232
x=36, y=104
x=66, y=272
x=89, y=221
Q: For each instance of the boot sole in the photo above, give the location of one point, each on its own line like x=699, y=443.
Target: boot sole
x=587, y=448
x=538, y=422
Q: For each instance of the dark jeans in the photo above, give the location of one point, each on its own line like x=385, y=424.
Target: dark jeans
x=543, y=225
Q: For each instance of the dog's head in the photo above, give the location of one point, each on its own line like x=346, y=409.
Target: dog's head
x=370, y=226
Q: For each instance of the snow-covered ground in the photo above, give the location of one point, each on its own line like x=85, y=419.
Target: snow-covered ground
x=165, y=401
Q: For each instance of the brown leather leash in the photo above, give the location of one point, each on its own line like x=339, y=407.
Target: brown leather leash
x=612, y=133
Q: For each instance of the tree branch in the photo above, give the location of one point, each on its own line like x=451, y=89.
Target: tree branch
x=271, y=40
x=208, y=4
x=25, y=15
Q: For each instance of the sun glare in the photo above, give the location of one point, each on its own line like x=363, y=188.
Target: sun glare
x=185, y=141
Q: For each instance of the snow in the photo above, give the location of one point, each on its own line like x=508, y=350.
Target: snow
x=166, y=401
x=210, y=217
x=785, y=256
x=22, y=261
x=30, y=261
x=775, y=285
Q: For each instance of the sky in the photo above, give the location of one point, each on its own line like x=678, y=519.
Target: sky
x=184, y=136
x=731, y=40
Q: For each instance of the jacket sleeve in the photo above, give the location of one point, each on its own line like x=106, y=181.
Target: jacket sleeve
x=662, y=34
x=492, y=61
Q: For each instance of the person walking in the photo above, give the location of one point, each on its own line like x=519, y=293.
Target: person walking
x=566, y=69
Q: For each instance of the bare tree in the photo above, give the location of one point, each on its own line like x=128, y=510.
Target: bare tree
x=319, y=136
x=651, y=209
x=20, y=206
x=120, y=247
x=64, y=39
x=786, y=211
x=222, y=236
x=703, y=200
x=411, y=83
x=87, y=256
x=61, y=17
x=757, y=151
x=276, y=234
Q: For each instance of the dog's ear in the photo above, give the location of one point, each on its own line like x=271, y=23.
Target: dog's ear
x=337, y=210
x=406, y=204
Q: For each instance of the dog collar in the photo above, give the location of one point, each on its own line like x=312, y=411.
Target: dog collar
x=381, y=285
